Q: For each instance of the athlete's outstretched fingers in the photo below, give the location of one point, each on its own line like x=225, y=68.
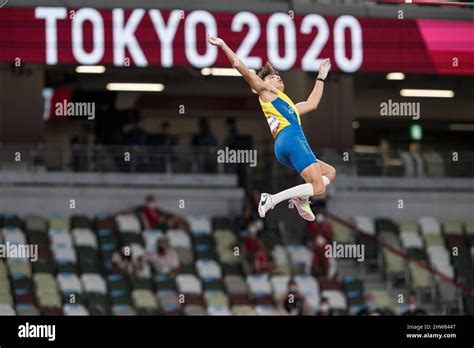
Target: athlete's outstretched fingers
x=327, y=170
x=312, y=175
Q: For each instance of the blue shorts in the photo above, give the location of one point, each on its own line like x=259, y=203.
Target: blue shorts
x=292, y=149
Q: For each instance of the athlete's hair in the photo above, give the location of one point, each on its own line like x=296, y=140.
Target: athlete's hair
x=266, y=70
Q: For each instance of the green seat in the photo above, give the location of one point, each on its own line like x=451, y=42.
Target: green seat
x=144, y=299
x=382, y=299
x=243, y=310
x=6, y=299
x=224, y=238
x=216, y=298
x=433, y=240
x=452, y=227
x=420, y=277
x=227, y=255
x=407, y=225
x=59, y=222
x=394, y=264
x=20, y=266
x=341, y=234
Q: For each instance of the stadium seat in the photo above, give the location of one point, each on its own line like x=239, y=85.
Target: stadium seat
x=280, y=286
x=336, y=299
x=84, y=237
x=429, y=226
x=300, y=258
x=80, y=221
x=19, y=266
x=408, y=226
x=421, y=279
x=69, y=283
x=195, y=310
x=123, y=310
x=309, y=287
x=93, y=283
x=36, y=223
x=179, y=239
x=6, y=310
x=199, y=224
x=13, y=235
x=411, y=240
x=260, y=288
x=59, y=222
x=218, y=310
x=25, y=309
x=208, y=270
x=280, y=258
x=75, y=310
x=237, y=289
x=365, y=224
x=168, y=302
x=341, y=233
x=243, y=310
x=144, y=301
x=128, y=223
x=191, y=287
x=151, y=237
x=216, y=298
x=452, y=227
x=265, y=309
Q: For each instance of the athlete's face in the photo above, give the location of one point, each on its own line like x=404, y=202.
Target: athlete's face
x=275, y=81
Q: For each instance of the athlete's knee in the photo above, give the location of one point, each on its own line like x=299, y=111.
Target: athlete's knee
x=332, y=174
x=319, y=189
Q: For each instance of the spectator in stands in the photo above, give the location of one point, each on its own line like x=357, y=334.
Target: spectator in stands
x=167, y=139
x=205, y=137
x=325, y=308
x=153, y=217
x=126, y=263
x=413, y=308
x=319, y=236
x=232, y=140
x=263, y=262
x=164, y=260
x=135, y=135
x=320, y=227
x=370, y=307
x=294, y=302
x=251, y=243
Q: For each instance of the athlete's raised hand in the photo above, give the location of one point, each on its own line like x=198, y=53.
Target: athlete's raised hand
x=215, y=41
x=324, y=68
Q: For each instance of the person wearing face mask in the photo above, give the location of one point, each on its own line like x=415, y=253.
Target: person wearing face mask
x=294, y=302
x=153, y=217
x=413, y=308
x=325, y=308
x=164, y=260
x=370, y=308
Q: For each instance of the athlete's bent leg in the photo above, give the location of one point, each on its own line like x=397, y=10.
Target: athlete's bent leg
x=327, y=171
x=312, y=175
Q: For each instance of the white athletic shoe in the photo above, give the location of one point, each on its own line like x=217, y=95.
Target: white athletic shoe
x=302, y=205
x=265, y=204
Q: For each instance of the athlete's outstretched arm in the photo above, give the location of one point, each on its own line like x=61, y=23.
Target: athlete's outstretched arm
x=314, y=98
x=255, y=82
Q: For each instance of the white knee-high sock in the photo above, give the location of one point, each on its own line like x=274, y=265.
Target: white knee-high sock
x=303, y=190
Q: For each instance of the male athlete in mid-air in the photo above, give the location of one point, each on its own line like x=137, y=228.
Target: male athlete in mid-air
x=291, y=147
